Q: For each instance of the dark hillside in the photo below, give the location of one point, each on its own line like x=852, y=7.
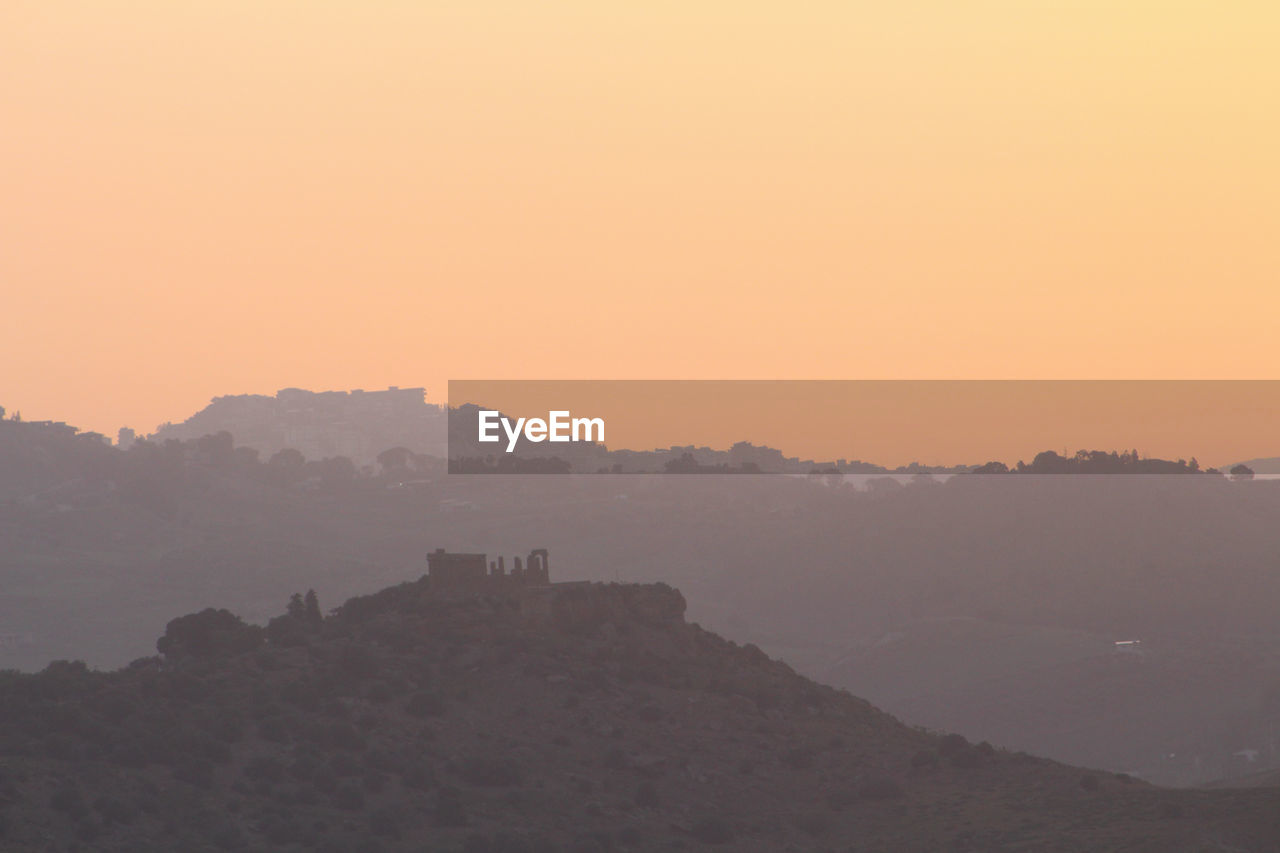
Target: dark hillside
x=574, y=717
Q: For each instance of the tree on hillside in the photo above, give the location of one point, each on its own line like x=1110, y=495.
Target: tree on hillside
x=336, y=473
x=312, y=614
x=218, y=448
x=395, y=460
x=286, y=467
x=207, y=633
x=287, y=458
x=301, y=619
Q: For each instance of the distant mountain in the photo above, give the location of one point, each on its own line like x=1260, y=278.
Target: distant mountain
x=575, y=717
x=320, y=424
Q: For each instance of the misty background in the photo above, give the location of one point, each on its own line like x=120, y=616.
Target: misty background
x=991, y=606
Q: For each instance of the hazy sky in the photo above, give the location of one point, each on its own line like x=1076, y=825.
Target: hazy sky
x=227, y=197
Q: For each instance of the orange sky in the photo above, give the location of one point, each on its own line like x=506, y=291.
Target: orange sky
x=898, y=422
x=224, y=197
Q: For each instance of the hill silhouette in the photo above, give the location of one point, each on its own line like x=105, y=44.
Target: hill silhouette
x=582, y=717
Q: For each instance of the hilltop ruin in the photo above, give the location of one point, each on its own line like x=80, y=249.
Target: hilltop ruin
x=454, y=570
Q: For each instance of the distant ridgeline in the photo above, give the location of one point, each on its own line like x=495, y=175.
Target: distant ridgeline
x=356, y=424
x=468, y=456
x=1102, y=462
x=36, y=454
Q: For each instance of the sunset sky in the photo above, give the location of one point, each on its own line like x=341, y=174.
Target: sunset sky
x=208, y=198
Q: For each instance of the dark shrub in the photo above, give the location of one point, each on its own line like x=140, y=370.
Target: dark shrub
x=88, y=830
x=68, y=801
x=348, y=797
x=651, y=713
x=799, y=758
x=343, y=765
x=925, y=758
x=341, y=736
x=384, y=823
x=379, y=693
x=264, y=767
x=880, y=788
x=591, y=842
x=324, y=780
x=416, y=777
x=301, y=693
x=114, y=810
x=287, y=631
x=208, y=633
x=647, y=795
x=712, y=830
x=194, y=771
x=128, y=753
x=303, y=767
x=355, y=665
x=449, y=810
x=841, y=800
x=283, y=829
x=227, y=836
x=425, y=704
x=813, y=823
x=228, y=726
x=491, y=772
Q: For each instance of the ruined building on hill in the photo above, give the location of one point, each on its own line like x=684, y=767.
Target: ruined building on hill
x=451, y=570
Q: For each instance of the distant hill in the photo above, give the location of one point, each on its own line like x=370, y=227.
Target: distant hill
x=580, y=717
x=356, y=424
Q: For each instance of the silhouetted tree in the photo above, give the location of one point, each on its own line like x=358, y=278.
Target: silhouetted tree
x=287, y=458
x=312, y=613
x=207, y=633
x=336, y=473
x=395, y=460
x=1242, y=472
x=685, y=464
x=218, y=448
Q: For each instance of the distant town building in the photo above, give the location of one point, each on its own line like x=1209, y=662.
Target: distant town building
x=320, y=424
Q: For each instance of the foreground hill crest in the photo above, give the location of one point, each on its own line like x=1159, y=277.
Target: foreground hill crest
x=516, y=717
